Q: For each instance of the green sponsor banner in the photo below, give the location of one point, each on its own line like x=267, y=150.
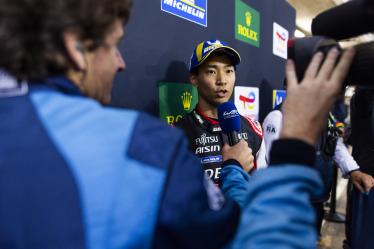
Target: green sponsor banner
x=247, y=24
x=176, y=100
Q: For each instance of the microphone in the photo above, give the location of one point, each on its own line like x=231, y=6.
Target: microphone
x=345, y=21
x=229, y=120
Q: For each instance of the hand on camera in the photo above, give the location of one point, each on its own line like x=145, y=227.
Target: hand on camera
x=307, y=104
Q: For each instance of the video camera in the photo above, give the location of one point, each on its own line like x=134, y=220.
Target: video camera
x=342, y=22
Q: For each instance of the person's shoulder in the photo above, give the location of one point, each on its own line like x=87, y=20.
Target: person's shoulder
x=153, y=141
x=88, y=112
x=252, y=124
x=276, y=113
x=186, y=120
x=101, y=120
x=272, y=122
x=154, y=126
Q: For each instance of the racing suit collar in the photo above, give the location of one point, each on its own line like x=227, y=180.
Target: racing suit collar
x=212, y=121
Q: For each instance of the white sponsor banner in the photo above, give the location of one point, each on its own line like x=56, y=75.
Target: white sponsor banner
x=247, y=101
x=280, y=39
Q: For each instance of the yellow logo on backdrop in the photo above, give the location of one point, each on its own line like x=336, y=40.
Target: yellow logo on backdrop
x=248, y=18
x=247, y=23
x=170, y=119
x=186, y=100
x=246, y=31
x=249, y=33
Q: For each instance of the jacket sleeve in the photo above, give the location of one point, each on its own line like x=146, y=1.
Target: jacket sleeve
x=276, y=210
x=261, y=159
x=272, y=126
x=234, y=183
x=344, y=159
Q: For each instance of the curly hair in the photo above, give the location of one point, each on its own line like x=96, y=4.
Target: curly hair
x=31, y=32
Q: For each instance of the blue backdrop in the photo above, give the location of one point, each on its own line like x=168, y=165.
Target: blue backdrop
x=158, y=45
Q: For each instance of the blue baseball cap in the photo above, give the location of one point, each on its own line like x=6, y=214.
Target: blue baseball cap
x=204, y=49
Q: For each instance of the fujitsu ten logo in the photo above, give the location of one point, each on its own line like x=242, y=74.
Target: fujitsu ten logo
x=231, y=114
x=203, y=140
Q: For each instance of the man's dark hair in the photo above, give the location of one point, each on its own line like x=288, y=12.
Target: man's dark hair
x=31, y=32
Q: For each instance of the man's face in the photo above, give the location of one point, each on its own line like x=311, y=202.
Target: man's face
x=103, y=64
x=214, y=80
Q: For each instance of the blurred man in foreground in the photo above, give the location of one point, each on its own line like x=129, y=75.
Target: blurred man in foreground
x=75, y=174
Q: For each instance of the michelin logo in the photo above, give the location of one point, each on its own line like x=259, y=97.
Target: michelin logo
x=216, y=44
x=191, y=10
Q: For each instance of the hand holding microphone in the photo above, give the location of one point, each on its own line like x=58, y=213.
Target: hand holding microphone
x=241, y=153
x=229, y=120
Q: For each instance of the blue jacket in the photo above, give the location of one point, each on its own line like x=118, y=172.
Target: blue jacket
x=74, y=174
x=276, y=211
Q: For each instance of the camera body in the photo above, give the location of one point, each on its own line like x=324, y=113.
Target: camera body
x=342, y=22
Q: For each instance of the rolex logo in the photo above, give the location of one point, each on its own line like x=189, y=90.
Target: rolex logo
x=186, y=100
x=248, y=18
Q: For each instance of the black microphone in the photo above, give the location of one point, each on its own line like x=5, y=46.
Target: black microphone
x=345, y=21
x=229, y=120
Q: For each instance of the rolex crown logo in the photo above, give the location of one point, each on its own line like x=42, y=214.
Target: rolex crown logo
x=248, y=18
x=186, y=100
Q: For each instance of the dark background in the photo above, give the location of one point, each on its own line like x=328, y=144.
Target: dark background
x=157, y=47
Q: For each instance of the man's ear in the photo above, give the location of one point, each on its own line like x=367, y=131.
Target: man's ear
x=193, y=79
x=75, y=50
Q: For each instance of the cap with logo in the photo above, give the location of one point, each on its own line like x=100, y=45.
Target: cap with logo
x=204, y=49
